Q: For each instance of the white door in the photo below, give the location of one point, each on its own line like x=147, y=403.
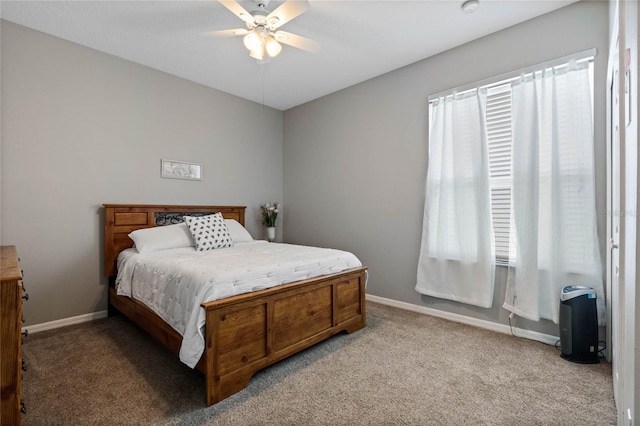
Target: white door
x=617, y=332
x=615, y=288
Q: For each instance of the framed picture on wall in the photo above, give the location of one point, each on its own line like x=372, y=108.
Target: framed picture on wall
x=172, y=169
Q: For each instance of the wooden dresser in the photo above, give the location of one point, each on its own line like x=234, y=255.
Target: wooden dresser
x=10, y=338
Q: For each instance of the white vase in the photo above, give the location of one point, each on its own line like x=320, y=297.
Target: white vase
x=271, y=233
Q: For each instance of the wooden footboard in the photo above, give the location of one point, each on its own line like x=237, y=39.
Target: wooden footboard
x=249, y=332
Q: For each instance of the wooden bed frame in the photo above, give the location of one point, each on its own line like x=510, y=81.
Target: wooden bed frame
x=244, y=333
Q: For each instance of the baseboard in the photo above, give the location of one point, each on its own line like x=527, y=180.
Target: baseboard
x=488, y=325
x=65, y=322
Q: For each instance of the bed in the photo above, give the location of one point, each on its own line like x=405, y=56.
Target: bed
x=246, y=332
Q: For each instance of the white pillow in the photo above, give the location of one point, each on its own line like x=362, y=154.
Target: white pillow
x=239, y=233
x=162, y=237
x=209, y=232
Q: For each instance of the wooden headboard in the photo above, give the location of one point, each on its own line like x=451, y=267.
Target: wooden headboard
x=121, y=219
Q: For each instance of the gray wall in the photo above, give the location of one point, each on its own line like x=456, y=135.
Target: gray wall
x=81, y=128
x=355, y=161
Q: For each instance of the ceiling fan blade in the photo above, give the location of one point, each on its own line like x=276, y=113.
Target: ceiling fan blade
x=287, y=11
x=227, y=33
x=297, y=41
x=237, y=10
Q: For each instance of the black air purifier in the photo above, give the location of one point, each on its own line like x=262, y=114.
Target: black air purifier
x=579, y=325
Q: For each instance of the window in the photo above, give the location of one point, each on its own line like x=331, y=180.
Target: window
x=499, y=140
x=515, y=181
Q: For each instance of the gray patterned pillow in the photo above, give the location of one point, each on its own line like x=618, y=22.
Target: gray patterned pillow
x=209, y=232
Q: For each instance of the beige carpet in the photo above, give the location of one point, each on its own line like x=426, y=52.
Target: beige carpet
x=403, y=369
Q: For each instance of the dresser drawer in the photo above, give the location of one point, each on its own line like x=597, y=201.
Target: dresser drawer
x=10, y=336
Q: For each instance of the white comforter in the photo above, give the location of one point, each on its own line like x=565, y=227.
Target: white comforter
x=174, y=283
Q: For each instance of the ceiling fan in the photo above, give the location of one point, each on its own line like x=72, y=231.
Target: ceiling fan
x=262, y=34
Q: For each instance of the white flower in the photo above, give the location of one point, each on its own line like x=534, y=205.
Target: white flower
x=269, y=214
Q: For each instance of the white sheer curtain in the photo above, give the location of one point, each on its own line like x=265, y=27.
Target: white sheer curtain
x=553, y=241
x=456, y=256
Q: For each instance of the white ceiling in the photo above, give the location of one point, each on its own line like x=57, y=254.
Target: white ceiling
x=360, y=39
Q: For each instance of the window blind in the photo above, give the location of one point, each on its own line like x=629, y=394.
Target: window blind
x=499, y=144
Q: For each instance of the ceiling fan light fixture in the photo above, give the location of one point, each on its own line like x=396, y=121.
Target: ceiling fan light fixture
x=252, y=41
x=470, y=6
x=257, y=54
x=272, y=47
x=262, y=36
